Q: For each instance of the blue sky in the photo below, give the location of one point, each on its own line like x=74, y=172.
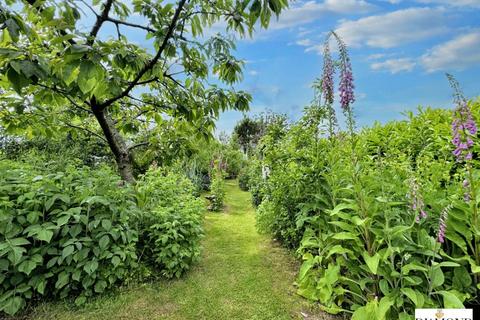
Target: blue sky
x=400, y=51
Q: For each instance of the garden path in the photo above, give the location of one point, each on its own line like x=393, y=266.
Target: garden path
x=241, y=275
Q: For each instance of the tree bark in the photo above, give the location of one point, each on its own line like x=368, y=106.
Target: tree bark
x=117, y=145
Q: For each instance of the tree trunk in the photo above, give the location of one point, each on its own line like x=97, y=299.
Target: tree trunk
x=117, y=145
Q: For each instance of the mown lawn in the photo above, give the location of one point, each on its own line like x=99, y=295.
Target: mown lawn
x=242, y=275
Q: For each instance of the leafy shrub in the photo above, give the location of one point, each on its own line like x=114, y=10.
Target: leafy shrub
x=58, y=153
x=170, y=222
x=256, y=183
x=234, y=159
x=243, y=179
x=217, y=190
x=366, y=247
x=265, y=217
x=62, y=234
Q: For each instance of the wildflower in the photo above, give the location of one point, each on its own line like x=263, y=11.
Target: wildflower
x=442, y=226
x=346, y=86
x=416, y=199
x=328, y=73
x=347, y=96
x=463, y=125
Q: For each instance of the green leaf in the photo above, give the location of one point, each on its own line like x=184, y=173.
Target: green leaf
x=79, y=301
x=437, y=277
x=16, y=254
x=115, y=261
x=44, y=235
x=345, y=236
x=12, y=305
x=411, y=294
x=106, y=224
x=41, y=286
x=413, y=266
x=450, y=300
x=27, y=266
x=383, y=307
x=90, y=266
x=79, y=48
x=337, y=249
x=63, y=220
x=100, y=286
x=19, y=241
x=67, y=251
x=104, y=241
x=17, y=80
x=63, y=278
x=90, y=75
x=367, y=312
x=372, y=262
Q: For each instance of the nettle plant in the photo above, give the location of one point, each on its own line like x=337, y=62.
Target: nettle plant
x=369, y=250
x=57, y=76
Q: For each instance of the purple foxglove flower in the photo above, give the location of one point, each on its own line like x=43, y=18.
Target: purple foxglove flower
x=442, y=225
x=416, y=201
x=346, y=85
x=328, y=73
x=463, y=125
x=423, y=214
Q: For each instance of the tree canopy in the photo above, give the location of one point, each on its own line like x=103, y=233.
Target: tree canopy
x=58, y=75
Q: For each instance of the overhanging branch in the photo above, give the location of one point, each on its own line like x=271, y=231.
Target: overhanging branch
x=138, y=145
x=151, y=63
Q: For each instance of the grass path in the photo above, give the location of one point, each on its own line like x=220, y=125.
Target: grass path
x=242, y=275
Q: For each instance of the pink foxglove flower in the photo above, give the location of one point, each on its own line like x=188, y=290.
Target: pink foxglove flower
x=442, y=225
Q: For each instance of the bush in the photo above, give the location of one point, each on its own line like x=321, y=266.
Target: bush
x=170, y=222
x=234, y=159
x=217, y=190
x=243, y=179
x=62, y=234
x=367, y=247
x=265, y=217
x=255, y=182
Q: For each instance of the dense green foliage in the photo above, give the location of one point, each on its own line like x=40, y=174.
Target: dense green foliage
x=217, y=188
x=113, y=87
x=169, y=224
x=341, y=203
x=77, y=232
x=63, y=233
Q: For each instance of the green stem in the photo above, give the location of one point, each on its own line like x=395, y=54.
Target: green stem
x=473, y=205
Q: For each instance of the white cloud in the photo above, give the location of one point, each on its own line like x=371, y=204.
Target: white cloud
x=456, y=54
x=253, y=72
x=453, y=3
x=347, y=6
x=376, y=56
x=395, y=28
x=304, y=42
x=394, y=65
x=306, y=12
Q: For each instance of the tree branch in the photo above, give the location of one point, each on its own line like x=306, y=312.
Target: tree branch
x=76, y=105
x=152, y=62
x=100, y=20
x=129, y=24
x=85, y=129
x=89, y=7
x=138, y=145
